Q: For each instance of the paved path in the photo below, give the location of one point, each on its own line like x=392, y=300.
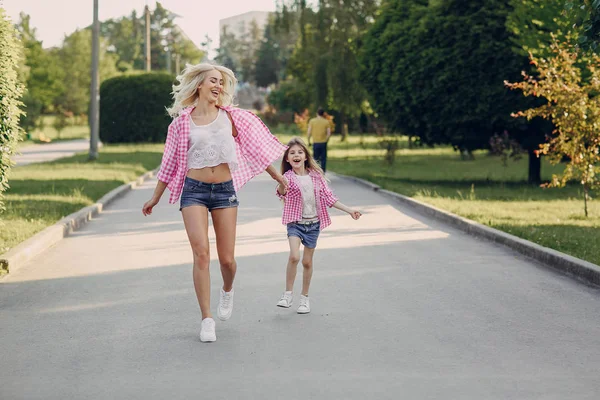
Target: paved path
x=36, y=153
x=402, y=308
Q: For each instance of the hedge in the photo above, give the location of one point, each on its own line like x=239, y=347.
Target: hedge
x=133, y=108
x=11, y=90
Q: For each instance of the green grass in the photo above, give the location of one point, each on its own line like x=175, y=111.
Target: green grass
x=41, y=194
x=76, y=131
x=482, y=190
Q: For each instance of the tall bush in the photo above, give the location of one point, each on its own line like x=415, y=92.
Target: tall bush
x=11, y=91
x=133, y=108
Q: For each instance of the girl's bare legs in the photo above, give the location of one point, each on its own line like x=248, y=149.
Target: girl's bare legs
x=195, y=219
x=225, y=222
x=307, y=263
x=293, y=260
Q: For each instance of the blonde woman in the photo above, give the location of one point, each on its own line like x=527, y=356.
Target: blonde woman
x=212, y=149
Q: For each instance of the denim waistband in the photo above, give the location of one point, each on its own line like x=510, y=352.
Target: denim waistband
x=212, y=185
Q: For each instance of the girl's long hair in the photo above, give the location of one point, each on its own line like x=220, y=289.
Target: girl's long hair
x=310, y=164
x=185, y=93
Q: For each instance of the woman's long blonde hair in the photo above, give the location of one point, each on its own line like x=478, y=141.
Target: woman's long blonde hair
x=185, y=93
x=310, y=164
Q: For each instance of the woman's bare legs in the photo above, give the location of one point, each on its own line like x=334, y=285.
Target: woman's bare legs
x=225, y=222
x=195, y=219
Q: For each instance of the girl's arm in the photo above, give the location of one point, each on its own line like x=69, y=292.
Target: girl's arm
x=340, y=206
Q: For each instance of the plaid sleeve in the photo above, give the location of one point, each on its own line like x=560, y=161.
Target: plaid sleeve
x=168, y=166
x=327, y=194
x=259, y=145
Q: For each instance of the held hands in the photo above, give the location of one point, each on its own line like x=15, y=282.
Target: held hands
x=148, y=206
x=283, y=182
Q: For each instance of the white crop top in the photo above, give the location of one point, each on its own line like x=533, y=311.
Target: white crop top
x=212, y=144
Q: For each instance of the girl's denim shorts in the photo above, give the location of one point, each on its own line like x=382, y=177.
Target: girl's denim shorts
x=210, y=195
x=308, y=233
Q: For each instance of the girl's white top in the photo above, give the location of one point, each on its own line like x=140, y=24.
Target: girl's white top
x=309, y=204
x=212, y=144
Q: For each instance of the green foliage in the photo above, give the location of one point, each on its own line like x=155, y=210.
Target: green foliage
x=573, y=106
x=531, y=23
x=324, y=61
x=291, y=95
x=11, y=91
x=268, y=63
x=44, y=78
x=76, y=59
x=436, y=70
x=133, y=108
x=585, y=16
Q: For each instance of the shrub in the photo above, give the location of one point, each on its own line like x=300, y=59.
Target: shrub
x=11, y=91
x=133, y=108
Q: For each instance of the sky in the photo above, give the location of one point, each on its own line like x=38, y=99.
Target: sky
x=198, y=17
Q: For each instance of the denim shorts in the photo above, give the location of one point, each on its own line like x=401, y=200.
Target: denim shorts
x=308, y=233
x=210, y=195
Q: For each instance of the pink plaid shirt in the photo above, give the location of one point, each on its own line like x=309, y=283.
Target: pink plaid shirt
x=256, y=148
x=292, y=207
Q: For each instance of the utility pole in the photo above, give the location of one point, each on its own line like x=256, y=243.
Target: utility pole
x=94, y=92
x=147, y=46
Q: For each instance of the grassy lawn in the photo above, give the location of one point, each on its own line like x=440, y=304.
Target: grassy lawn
x=41, y=194
x=482, y=190
x=69, y=133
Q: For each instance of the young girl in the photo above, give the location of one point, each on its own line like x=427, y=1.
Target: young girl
x=305, y=212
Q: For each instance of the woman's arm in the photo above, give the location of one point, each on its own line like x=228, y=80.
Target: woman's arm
x=158, y=192
x=283, y=183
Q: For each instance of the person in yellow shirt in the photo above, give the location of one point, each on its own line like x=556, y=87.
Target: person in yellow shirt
x=319, y=129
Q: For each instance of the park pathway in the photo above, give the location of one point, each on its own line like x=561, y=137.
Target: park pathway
x=403, y=307
x=36, y=153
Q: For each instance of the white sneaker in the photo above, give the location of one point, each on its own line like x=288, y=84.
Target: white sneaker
x=286, y=300
x=304, y=307
x=225, y=305
x=207, y=330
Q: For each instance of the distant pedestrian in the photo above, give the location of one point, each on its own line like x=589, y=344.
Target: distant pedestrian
x=319, y=129
x=211, y=151
x=305, y=213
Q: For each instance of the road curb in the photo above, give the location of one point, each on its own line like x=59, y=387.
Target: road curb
x=580, y=269
x=25, y=251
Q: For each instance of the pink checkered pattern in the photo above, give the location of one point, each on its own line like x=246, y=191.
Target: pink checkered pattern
x=256, y=149
x=292, y=207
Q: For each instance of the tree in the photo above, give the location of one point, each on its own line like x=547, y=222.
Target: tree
x=573, y=105
x=585, y=16
x=228, y=51
x=268, y=66
x=169, y=45
x=325, y=58
x=531, y=24
x=435, y=70
x=75, y=56
x=126, y=39
x=44, y=77
x=11, y=89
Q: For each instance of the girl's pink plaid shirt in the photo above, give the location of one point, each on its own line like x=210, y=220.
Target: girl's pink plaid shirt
x=292, y=207
x=256, y=149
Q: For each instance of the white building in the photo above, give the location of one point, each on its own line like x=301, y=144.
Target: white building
x=240, y=24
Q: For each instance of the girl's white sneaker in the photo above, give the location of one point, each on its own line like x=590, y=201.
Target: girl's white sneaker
x=304, y=307
x=286, y=300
